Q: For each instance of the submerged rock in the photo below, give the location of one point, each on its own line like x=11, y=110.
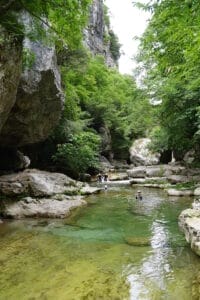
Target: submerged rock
x=138, y=241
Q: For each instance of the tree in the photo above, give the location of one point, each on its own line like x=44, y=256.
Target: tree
x=169, y=54
x=79, y=154
x=107, y=98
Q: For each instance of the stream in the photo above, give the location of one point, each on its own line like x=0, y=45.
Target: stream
x=116, y=248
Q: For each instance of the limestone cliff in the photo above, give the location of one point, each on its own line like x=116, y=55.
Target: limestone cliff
x=31, y=99
x=36, y=97
x=97, y=33
x=10, y=71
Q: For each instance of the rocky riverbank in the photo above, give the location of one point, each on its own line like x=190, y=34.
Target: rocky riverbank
x=189, y=222
x=176, y=179
x=35, y=193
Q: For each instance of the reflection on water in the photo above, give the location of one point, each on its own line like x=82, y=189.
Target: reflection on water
x=87, y=256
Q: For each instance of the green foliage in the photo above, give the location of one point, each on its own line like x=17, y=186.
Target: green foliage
x=160, y=139
x=64, y=18
x=106, y=98
x=191, y=185
x=169, y=53
x=106, y=16
x=114, y=45
x=79, y=154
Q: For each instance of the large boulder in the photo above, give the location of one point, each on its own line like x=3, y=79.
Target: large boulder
x=10, y=71
x=141, y=155
x=180, y=193
x=38, y=183
x=197, y=191
x=137, y=172
x=158, y=171
x=44, y=208
x=189, y=157
x=189, y=222
x=39, y=98
x=178, y=179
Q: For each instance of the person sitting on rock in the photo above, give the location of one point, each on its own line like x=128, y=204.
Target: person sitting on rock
x=138, y=195
x=99, y=176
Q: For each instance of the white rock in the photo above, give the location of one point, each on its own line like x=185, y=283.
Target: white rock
x=141, y=155
x=179, y=193
x=44, y=208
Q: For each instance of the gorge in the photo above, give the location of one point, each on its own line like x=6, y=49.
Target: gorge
x=66, y=116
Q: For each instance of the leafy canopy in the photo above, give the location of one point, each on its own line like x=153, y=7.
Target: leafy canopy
x=169, y=54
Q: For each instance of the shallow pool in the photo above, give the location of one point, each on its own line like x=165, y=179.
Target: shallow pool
x=116, y=248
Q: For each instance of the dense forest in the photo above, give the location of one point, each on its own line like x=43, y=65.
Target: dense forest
x=169, y=54
x=100, y=103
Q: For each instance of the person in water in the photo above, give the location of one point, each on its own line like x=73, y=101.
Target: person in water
x=138, y=195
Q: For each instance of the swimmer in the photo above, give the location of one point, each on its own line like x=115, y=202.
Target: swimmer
x=138, y=195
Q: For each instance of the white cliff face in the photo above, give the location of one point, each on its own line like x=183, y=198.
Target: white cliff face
x=96, y=31
x=140, y=155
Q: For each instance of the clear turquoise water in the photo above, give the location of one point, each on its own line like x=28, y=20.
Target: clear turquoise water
x=90, y=256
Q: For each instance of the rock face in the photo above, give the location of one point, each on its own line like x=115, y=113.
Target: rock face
x=140, y=155
x=189, y=222
x=39, y=100
x=30, y=101
x=96, y=31
x=10, y=71
x=106, y=142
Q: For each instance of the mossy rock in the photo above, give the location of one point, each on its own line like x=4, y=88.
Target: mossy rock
x=138, y=241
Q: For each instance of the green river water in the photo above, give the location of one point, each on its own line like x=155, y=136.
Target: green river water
x=89, y=256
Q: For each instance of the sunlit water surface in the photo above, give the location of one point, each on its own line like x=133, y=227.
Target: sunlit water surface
x=88, y=256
